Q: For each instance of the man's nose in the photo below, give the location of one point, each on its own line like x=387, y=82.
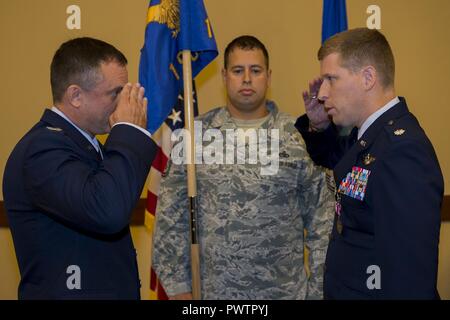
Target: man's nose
x=247, y=76
x=323, y=91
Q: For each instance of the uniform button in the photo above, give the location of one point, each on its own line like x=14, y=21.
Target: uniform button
x=391, y=122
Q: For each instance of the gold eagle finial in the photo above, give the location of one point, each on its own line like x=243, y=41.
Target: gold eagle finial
x=168, y=13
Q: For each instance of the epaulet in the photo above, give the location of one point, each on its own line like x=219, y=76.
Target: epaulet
x=54, y=129
x=396, y=130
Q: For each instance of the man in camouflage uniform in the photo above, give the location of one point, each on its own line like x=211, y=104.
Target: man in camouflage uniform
x=251, y=221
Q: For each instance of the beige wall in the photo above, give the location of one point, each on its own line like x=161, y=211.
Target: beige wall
x=30, y=32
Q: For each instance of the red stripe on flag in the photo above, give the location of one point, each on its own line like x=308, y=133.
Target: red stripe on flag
x=156, y=286
x=162, y=293
x=152, y=200
x=160, y=161
x=153, y=280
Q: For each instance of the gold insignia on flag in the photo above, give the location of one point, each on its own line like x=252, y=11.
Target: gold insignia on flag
x=168, y=13
x=399, y=132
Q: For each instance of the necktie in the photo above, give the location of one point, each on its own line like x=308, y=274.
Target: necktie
x=97, y=147
x=353, y=137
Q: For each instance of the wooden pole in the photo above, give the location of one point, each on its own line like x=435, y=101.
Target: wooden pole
x=191, y=176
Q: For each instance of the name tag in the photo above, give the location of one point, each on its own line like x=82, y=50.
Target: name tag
x=355, y=183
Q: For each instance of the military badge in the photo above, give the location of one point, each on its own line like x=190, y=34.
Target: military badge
x=355, y=183
x=368, y=159
x=399, y=132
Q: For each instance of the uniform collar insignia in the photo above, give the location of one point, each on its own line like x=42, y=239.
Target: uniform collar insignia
x=54, y=129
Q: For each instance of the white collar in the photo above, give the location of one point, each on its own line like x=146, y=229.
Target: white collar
x=374, y=116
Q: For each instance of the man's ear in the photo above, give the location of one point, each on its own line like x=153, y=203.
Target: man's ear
x=74, y=95
x=269, y=77
x=224, y=75
x=369, y=77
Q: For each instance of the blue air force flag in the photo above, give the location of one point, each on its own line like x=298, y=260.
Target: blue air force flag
x=172, y=26
x=334, y=19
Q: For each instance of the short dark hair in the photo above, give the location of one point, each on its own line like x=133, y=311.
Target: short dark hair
x=77, y=61
x=359, y=47
x=245, y=42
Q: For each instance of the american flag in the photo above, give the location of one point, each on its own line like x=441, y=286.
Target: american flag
x=172, y=26
x=162, y=136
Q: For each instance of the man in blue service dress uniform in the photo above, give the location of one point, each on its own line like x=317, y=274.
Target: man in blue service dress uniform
x=68, y=198
x=389, y=186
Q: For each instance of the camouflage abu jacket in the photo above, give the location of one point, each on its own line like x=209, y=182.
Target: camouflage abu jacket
x=251, y=224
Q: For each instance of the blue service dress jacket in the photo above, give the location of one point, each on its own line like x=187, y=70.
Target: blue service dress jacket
x=389, y=190
x=69, y=210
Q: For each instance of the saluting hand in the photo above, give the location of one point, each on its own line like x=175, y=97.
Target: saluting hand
x=318, y=117
x=132, y=106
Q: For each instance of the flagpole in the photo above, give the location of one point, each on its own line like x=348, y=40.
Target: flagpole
x=191, y=175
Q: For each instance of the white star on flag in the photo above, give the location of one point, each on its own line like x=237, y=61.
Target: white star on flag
x=175, y=117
